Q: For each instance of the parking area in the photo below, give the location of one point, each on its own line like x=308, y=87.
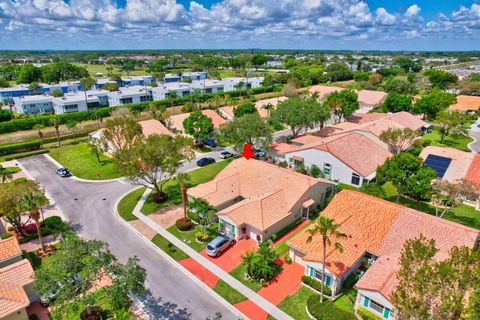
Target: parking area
x=233, y=255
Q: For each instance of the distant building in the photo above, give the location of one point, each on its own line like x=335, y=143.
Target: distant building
x=136, y=81
x=466, y=104
x=129, y=95
x=240, y=83
x=209, y=85
x=163, y=90
x=171, y=77
x=195, y=76
x=75, y=102
x=33, y=105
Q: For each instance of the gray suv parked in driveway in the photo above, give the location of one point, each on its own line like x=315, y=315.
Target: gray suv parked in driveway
x=218, y=245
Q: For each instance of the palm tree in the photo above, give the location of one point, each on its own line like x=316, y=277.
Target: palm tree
x=172, y=95
x=269, y=107
x=5, y=175
x=249, y=259
x=55, y=121
x=183, y=179
x=327, y=229
x=32, y=202
x=72, y=125
x=39, y=127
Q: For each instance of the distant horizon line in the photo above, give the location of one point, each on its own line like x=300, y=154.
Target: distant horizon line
x=239, y=49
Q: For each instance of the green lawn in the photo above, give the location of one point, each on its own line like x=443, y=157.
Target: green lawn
x=228, y=293
x=169, y=248
x=450, y=141
x=295, y=305
x=12, y=170
x=282, y=246
x=83, y=164
x=171, y=188
x=128, y=203
x=189, y=238
x=239, y=274
x=94, y=68
x=347, y=300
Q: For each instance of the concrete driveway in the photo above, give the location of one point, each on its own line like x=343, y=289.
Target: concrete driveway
x=90, y=206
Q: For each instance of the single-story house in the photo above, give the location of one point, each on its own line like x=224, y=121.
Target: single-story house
x=149, y=127
x=176, y=121
x=324, y=91
x=273, y=101
x=256, y=199
x=376, y=231
x=466, y=104
x=16, y=281
x=351, y=158
x=369, y=99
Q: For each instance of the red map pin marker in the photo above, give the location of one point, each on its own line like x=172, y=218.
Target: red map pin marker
x=247, y=151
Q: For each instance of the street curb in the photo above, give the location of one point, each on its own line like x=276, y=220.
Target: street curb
x=174, y=262
x=476, y=123
x=58, y=165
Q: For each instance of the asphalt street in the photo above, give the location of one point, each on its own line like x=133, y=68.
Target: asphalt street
x=89, y=206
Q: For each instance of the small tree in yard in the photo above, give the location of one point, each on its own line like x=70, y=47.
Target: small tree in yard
x=342, y=104
x=451, y=122
x=152, y=161
x=79, y=265
x=243, y=109
x=450, y=195
x=182, y=180
x=399, y=139
x=31, y=202
x=431, y=289
x=328, y=230
x=198, y=125
x=95, y=149
x=122, y=133
x=55, y=121
x=262, y=265
x=39, y=127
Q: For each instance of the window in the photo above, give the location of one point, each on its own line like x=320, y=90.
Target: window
x=365, y=181
x=355, y=179
x=327, y=169
x=376, y=306
x=126, y=100
x=318, y=275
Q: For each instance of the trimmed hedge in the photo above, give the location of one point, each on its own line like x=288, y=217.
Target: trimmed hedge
x=317, y=285
x=19, y=147
x=367, y=315
x=29, y=123
x=26, y=154
x=327, y=310
x=184, y=224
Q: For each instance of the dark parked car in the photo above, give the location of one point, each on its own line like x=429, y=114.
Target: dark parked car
x=225, y=155
x=63, y=172
x=210, y=142
x=260, y=153
x=205, y=162
x=218, y=245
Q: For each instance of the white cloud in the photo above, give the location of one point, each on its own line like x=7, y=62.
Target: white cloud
x=413, y=10
x=384, y=18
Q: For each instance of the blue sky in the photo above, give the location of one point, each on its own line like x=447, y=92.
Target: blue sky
x=269, y=24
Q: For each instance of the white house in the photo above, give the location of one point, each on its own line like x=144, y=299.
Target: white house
x=163, y=90
x=351, y=158
x=129, y=95
x=33, y=105
x=240, y=83
x=75, y=102
x=376, y=231
x=208, y=85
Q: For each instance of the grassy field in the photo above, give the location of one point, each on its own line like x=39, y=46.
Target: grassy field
x=347, y=300
x=171, y=188
x=189, y=237
x=94, y=68
x=169, y=248
x=228, y=293
x=83, y=164
x=128, y=203
x=459, y=143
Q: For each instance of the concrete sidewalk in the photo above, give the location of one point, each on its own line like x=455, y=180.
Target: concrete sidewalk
x=234, y=283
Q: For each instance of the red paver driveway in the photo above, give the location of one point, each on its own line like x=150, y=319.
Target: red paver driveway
x=233, y=255
x=285, y=283
x=251, y=310
x=199, y=271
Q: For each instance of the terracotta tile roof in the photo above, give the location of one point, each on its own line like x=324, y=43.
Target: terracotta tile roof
x=461, y=161
x=13, y=278
x=408, y=120
x=370, y=97
x=357, y=151
x=217, y=120
x=473, y=173
x=466, y=103
x=366, y=117
x=228, y=110
x=273, y=101
x=267, y=193
x=324, y=91
x=381, y=228
x=9, y=248
x=153, y=126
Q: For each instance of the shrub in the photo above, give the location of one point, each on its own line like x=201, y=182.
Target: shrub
x=374, y=189
x=202, y=237
x=26, y=154
x=315, y=284
x=301, y=169
x=193, y=215
x=5, y=235
x=19, y=147
x=367, y=315
x=184, y=224
x=350, y=281
x=283, y=164
x=10, y=228
x=55, y=224
x=287, y=259
x=327, y=310
x=415, y=151
x=426, y=142
x=315, y=171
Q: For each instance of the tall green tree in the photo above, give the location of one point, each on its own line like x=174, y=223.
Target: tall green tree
x=28, y=73
x=329, y=231
x=343, y=104
x=431, y=103
x=451, y=122
x=249, y=129
x=441, y=79
x=339, y=71
x=399, y=139
x=122, y=133
x=396, y=102
x=259, y=60
x=407, y=64
x=244, y=108
x=31, y=202
x=39, y=127
x=198, y=125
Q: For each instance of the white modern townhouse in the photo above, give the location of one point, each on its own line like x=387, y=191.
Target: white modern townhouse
x=163, y=90
x=240, y=83
x=33, y=105
x=75, y=102
x=209, y=85
x=129, y=95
